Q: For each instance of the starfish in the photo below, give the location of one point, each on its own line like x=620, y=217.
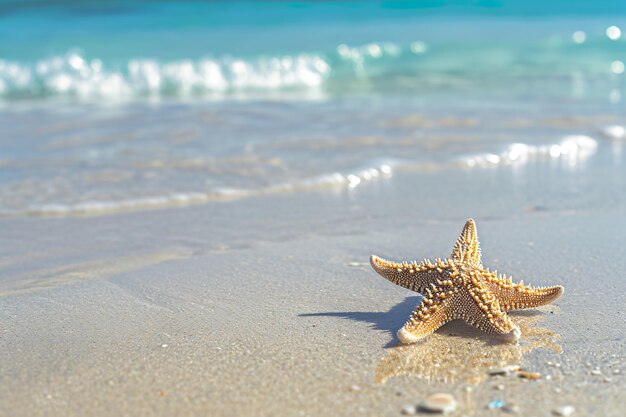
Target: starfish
x=461, y=288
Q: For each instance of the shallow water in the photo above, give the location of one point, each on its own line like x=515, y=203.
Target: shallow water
x=91, y=160
x=134, y=106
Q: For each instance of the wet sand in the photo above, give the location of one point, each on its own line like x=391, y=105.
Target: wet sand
x=267, y=306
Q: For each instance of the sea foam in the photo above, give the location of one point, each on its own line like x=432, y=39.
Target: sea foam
x=75, y=76
x=572, y=148
x=346, y=180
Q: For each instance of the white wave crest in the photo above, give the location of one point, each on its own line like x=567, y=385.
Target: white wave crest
x=573, y=148
x=74, y=75
x=615, y=132
x=336, y=180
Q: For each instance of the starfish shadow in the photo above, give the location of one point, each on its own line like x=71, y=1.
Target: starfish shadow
x=388, y=321
x=391, y=321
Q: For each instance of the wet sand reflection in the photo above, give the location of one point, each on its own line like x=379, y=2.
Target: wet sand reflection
x=459, y=353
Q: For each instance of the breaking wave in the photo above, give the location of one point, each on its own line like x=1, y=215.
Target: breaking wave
x=73, y=75
x=377, y=66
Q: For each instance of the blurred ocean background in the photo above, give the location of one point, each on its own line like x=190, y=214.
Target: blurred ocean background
x=127, y=105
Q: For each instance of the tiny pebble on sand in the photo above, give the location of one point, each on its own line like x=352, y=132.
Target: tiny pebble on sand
x=495, y=404
x=511, y=408
x=409, y=410
x=564, y=411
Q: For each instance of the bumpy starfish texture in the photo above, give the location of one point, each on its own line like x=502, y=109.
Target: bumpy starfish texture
x=461, y=288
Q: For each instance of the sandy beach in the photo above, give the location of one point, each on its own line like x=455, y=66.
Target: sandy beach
x=190, y=193
x=282, y=315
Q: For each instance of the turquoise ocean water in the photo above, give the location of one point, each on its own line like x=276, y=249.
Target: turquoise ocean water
x=111, y=105
x=121, y=50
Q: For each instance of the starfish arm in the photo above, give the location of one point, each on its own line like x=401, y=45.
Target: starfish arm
x=432, y=313
x=467, y=248
x=412, y=276
x=483, y=311
x=518, y=296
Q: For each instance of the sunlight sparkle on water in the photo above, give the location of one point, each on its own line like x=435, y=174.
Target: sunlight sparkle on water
x=617, y=67
x=615, y=132
x=574, y=149
x=419, y=47
x=353, y=181
x=613, y=32
x=579, y=36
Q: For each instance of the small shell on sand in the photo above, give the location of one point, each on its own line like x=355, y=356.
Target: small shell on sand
x=409, y=410
x=504, y=370
x=438, y=403
x=564, y=411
